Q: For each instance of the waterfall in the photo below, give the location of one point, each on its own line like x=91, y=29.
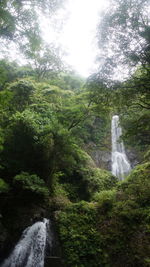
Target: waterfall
x=30, y=250
x=120, y=164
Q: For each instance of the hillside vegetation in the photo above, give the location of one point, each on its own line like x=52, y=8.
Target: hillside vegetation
x=51, y=121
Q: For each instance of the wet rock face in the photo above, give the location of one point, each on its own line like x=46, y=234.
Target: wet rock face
x=102, y=159
x=133, y=157
x=53, y=262
x=3, y=236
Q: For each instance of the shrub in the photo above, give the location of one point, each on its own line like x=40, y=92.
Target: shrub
x=4, y=187
x=137, y=185
x=105, y=198
x=77, y=229
x=98, y=180
x=94, y=234
x=22, y=91
x=31, y=183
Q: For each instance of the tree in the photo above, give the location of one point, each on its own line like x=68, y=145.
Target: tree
x=45, y=61
x=123, y=35
x=8, y=72
x=135, y=92
x=20, y=23
x=124, y=43
x=21, y=90
x=16, y=15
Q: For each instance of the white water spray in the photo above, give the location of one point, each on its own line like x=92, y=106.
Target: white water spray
x=30, y=250
x=120, y=164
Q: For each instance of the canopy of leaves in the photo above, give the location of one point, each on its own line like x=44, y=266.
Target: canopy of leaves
x=32, y=183
x=123, y=35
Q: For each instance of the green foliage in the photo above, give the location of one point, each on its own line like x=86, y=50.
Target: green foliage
x=134, y=93
x=87, y=180
x=4, y=187
x=94, y=234
x=27, y=138
x=1, y=139
x=39, y=128
x=66, y=81
x=46, y=128
x=133, y=102
x=147, y=156
x=137, y=129
x=137, y=186
x=20, y=23
x=45, y=61
x=70, y=181
x=122, y=29
x=7, y=72
x=10, y=71
x=31, y=183
x=7, y=21
x=98, y=180
x=105, y=199
x=68, y=190
x=77, y=228
x=22, y=91
x=15, y=13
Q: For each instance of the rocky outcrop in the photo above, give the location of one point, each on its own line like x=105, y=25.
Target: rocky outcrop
x=101, y=158
x=133, y=157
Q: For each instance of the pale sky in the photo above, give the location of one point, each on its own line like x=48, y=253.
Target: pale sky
x=76, y=33
x=74, y=29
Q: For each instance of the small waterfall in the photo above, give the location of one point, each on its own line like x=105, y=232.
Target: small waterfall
x=120, y=164
x=30, y=250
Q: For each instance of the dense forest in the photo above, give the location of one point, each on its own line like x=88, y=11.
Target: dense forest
x=55, y=138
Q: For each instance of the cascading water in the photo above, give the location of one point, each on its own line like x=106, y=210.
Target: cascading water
x=120, y=164
x=30, y=250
